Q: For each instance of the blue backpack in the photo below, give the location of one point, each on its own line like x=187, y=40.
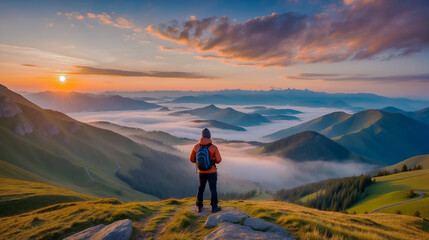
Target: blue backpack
x=203, y=158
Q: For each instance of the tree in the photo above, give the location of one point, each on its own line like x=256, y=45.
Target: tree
x=404, y=168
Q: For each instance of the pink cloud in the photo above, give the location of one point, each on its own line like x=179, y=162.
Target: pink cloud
x=73, y=15
x=359, y=29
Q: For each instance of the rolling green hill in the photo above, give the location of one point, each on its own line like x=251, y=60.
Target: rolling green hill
x=308, y=146
x=422, y=160
x=17, y=196
x=379, y=135
x=172, y=219
x=392, y=189
x=226, y=115
x=83, y=158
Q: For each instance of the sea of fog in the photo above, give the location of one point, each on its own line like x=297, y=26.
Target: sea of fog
x=182, y=126
x=269, y=171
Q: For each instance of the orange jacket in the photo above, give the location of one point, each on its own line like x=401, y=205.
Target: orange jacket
x=213, y=152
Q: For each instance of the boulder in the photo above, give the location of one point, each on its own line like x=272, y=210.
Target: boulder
x=230, y=215
x=235, y=231
x=85, y=234
x=119, y=230
x=259, y=224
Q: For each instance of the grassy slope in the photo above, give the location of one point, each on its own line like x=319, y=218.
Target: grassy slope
x=171, y=219
x=87, y=159
x=17, y=196
x=423, y=160
x=390, y=189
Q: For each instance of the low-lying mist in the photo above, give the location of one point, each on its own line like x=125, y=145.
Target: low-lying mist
x=274, y=172
x=182, y=126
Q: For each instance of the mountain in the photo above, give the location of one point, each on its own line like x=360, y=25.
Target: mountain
x=294, y=97
x=217, y=124
x=375, y=134
x=422, y=160
x=275, y=111
x=421, y=115
x=157, y=140
x=226, y=115
x=309, y=146
x=80, y=102
x=83, y=158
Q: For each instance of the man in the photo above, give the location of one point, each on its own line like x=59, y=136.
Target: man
x=209, y=175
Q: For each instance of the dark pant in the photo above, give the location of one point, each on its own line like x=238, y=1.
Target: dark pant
x=212, y=179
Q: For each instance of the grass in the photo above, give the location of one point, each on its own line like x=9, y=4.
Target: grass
x=391, y=189
x=422, y=160
x=17, y=196
x=62, y=220
x=172, y=219
x=261, y=197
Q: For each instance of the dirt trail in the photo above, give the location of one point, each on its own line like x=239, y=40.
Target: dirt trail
x=399, y=203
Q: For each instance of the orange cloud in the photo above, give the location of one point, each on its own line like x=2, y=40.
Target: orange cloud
x=73, y=15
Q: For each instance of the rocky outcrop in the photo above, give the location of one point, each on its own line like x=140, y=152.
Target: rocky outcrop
x=119, y=230
x=86, y=234
x=235, y=224
x=8, y=108
x=23, y=126
x=231, y=215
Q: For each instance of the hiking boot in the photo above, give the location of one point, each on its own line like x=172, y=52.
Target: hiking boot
x=199, y=209
x=216, y=209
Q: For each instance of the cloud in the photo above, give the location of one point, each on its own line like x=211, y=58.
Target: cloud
x=104, y=18
x=42, y=54
x=356, y=30
x=73, y=15
x=85, y=70
x=359, y=77
x=30, y=65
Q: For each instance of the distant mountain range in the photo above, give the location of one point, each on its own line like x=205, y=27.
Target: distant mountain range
x=80, y=102
x=226, y=115
x=52, y=146
x=375, y=134
x=217, y=124
x=293, y=97
x=309, y=146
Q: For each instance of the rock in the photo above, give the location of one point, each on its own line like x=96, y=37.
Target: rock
x=262, y=225
x=86, y=234
x=257, y=224
x=230, y=215
x=207, y=210
x=119, y=230
x=23, y=126
x=8, y=108
x=235, y=231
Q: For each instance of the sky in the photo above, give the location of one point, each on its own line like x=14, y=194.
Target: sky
x=375, y=46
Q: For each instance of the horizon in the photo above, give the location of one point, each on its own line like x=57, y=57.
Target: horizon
x=189, y=46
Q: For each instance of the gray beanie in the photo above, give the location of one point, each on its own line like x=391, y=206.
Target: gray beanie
x=206, y=133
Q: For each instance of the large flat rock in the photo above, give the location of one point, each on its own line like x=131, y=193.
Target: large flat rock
x=230, y=231
x=119, y=230
x=228, y=214
x=86, y=234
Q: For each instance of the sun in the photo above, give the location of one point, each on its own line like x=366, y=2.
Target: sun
x=62, y=78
